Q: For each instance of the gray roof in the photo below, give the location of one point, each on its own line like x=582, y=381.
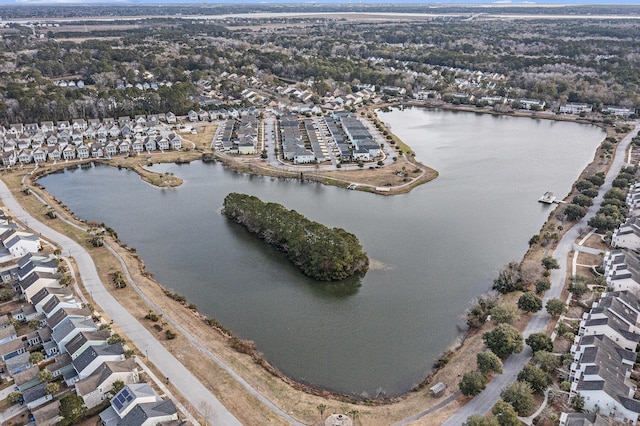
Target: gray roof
x=45, y=291
x=86, y=336
x=7, y=332
x=607, y=358
x=143, y=412
x=34, y=393
x=585, y=419
x=64, y=313
x=18, y=363
x=102, y=373
x=34, y=277
x=60, y=361
x=93, y=352
x=26, y=375
x=70, y=325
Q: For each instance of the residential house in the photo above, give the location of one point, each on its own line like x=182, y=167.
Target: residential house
x=33, y=262
x=97, y=387
x=150, y=144
x=8, y=334
x=63, y=367
x=124, y=147
x=36, y=396
x=69, y=328
x=54, y=153
x=582, y=419
x=40, y=155
x=48, y=414
x=111, y=148
x=40, y=336
x=192, y=116
x=55, y=303
x=627, y=235
x=163, y=144
x=618, y=111
x=575, y=108
x=64, y=314
x=25, y=156
x=36, y=281
x=601, y=375
x=79, y=124
x=175, y=141
x=96, y=150
x=26, y=313
x=9, y=158
x=47, y=126
x=137, y=146
x=622, y=270
x=19, y=243
x=138, y=405
x=27, y=379
x=46, y=293
x=89, y=360
x=82, y=151
x=69, y=153
x=78, y=344
x=18, y=363
x=12, y=348
x=171, y=118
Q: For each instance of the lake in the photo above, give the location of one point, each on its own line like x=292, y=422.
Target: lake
x=433, y=250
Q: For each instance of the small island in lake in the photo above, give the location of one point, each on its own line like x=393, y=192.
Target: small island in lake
x=320, y=252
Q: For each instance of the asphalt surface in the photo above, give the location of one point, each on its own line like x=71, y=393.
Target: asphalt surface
x=185, y=382
x=482, y=403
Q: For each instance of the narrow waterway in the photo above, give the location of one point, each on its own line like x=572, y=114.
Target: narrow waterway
x=433, y=249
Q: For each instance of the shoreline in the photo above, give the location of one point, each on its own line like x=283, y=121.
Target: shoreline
x=263, y=363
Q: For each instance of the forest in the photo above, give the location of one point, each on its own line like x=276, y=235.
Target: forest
x=595, y=60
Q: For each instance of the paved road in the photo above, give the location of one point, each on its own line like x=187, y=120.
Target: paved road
x=187, y=384
x=482, y=403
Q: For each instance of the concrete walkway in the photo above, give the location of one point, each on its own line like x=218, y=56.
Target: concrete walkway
x=181, y=378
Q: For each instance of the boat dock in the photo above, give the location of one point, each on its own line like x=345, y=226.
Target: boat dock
x=549, y=198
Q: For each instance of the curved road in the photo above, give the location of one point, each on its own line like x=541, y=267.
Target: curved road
x=482, y=403
x=185, y=382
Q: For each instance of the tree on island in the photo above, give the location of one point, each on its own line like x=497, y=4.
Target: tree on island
x=320, y=252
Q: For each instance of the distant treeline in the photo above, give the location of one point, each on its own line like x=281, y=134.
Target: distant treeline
x=320, y=252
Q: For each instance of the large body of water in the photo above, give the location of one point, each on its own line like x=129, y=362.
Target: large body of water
x=433, y=249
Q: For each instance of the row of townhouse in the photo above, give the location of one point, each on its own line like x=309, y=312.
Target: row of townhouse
x=363, y=144
x=91, y=139
x=76, y=349
x=578, y=108
x=238, y=137
x=221, y=114
x=604, y=353
x=291, y=138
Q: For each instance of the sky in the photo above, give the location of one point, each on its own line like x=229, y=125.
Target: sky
x=448, y=2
